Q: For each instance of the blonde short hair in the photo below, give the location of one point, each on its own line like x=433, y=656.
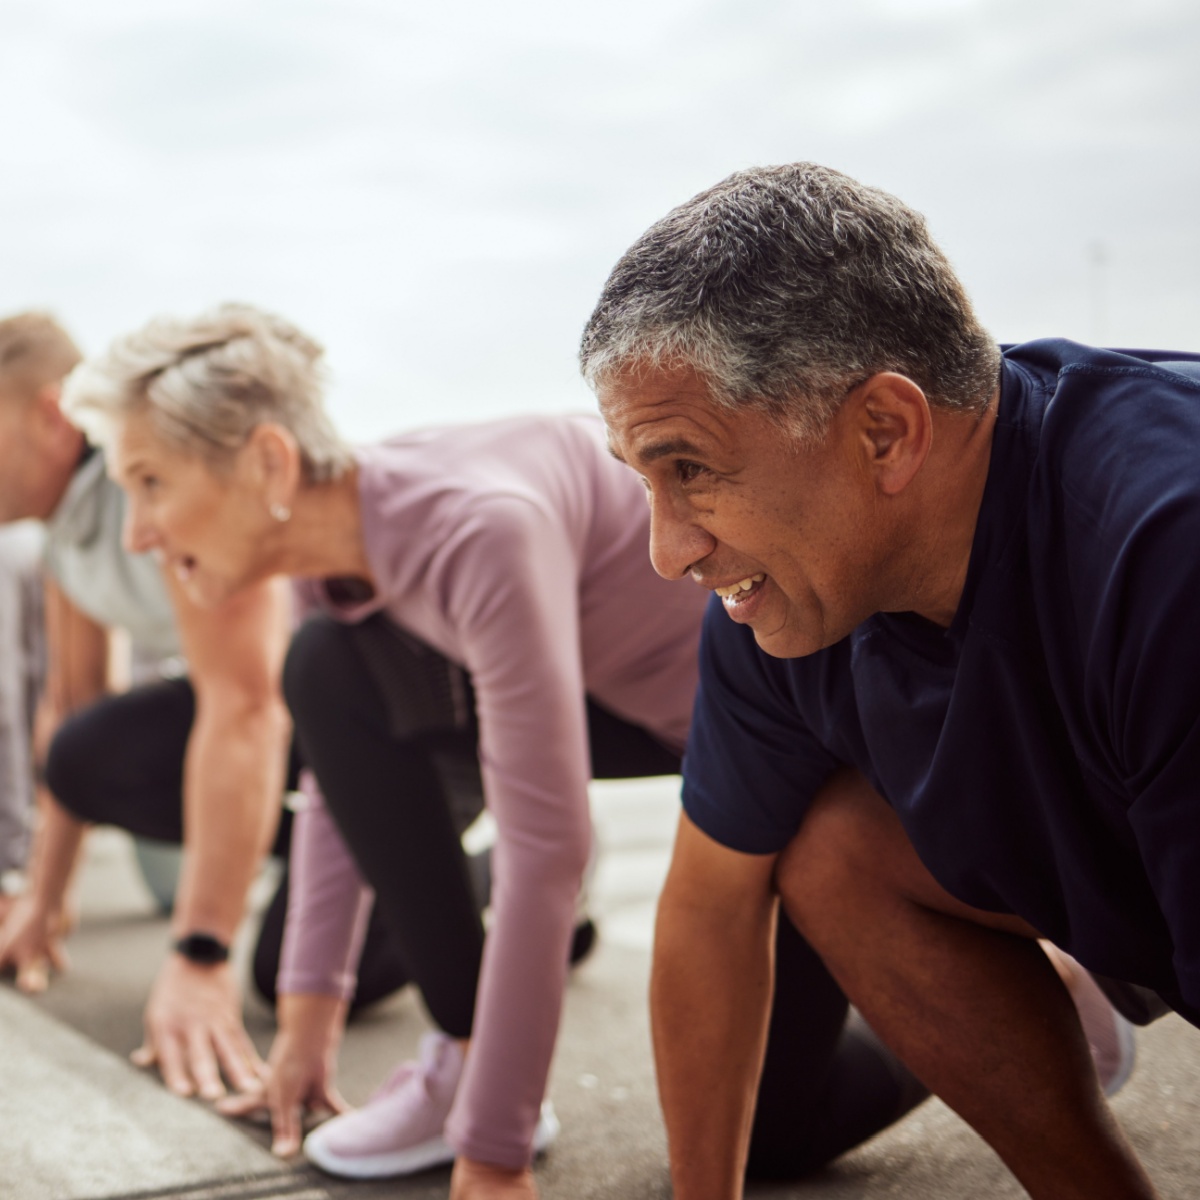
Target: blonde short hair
x=206, y=383
x=34, y=350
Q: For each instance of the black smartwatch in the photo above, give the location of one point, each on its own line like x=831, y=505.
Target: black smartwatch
x=202, y=948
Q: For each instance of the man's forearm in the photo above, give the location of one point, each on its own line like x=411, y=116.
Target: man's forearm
x=56, y=846
x=709, y=1004
x=233, y=784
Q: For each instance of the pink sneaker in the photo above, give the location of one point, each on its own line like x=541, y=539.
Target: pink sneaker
x=399, y=1130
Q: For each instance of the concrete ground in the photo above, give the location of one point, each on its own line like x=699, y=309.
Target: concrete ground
x=79, y=1123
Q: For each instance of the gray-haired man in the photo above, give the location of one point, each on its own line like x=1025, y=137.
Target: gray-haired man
x=957, y=708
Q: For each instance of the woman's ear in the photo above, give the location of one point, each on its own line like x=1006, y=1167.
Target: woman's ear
x=895, y=429
x=272, y=456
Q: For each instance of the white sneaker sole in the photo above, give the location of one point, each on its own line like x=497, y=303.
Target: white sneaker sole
x=436, y=1152
x=433, y=1153
x=1128, y=1049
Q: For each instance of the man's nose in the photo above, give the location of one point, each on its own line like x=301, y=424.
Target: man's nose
x=676, y=541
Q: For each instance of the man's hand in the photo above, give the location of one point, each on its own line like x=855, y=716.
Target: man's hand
x=31, y=943
x=300, y=1071
x=193, y=1030
x=473, y=1180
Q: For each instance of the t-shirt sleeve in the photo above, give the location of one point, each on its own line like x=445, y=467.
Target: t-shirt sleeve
x=752, y=764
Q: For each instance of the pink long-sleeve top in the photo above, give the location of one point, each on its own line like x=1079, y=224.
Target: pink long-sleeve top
x=519, y=550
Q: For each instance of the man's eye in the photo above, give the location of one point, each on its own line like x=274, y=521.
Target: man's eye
x=688, y=471
x=150, y=483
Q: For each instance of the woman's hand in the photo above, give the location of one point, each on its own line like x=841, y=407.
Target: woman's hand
x=473, y=1180
x=300, y=1071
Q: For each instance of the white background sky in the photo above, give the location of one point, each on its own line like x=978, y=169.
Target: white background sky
x=437, y=191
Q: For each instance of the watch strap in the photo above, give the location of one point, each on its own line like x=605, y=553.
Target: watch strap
x=201, y=948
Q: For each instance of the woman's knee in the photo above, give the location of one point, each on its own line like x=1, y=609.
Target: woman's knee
x=317, y=658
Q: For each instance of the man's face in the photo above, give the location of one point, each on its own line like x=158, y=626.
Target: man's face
x=20, y=458
x=784, y=533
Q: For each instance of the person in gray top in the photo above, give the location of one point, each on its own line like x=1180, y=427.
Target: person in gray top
x=236, y=745
x=21, y=667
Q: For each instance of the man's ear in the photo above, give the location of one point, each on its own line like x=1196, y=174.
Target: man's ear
x=894, y=427
x=45, y=411
x=47, y=399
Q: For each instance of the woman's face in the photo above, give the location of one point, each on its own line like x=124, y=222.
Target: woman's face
x=210, y=529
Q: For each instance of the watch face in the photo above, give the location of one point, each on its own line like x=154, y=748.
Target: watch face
x=202, y=948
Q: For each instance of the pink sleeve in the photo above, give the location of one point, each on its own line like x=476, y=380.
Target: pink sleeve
x=328, y=906
x=513, y=596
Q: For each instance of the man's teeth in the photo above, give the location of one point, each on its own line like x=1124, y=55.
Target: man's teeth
x=743, y=585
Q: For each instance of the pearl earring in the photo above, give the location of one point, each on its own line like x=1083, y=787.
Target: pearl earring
x=281, y=512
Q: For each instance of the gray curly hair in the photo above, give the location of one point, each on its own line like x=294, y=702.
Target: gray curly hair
x=784, y=286
x=206, y=383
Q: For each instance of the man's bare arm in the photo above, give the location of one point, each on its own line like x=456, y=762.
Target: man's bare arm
x=710, y=996
x=77, y=673
x=78, y=661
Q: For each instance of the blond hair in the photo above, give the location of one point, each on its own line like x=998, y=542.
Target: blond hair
x=206, y=383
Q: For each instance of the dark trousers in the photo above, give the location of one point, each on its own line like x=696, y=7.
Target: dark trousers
x=827, y=1083
x=120, y=762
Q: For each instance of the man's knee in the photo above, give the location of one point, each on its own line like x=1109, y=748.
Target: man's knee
x=852, y=847
x=847, y=839
x=66, y=769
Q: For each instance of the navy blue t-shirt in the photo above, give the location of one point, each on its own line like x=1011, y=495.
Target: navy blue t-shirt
x=1043, y=752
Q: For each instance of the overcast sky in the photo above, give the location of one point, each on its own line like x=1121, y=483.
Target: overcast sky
x=437, y=191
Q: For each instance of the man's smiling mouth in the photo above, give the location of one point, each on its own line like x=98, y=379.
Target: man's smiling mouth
x=742, y=585
x=736, y=594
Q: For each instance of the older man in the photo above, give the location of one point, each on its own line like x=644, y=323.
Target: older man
x=950, y=678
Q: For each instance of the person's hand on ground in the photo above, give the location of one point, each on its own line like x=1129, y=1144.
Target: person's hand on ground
x=473, y=1180
x=299, y=1080
x=31, y=943
x=193, y=1031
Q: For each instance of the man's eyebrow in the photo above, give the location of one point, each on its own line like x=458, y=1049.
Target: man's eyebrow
x=656, y=450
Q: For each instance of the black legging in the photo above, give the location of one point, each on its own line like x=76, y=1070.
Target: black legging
x=827, y=1083
x=119, y=762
